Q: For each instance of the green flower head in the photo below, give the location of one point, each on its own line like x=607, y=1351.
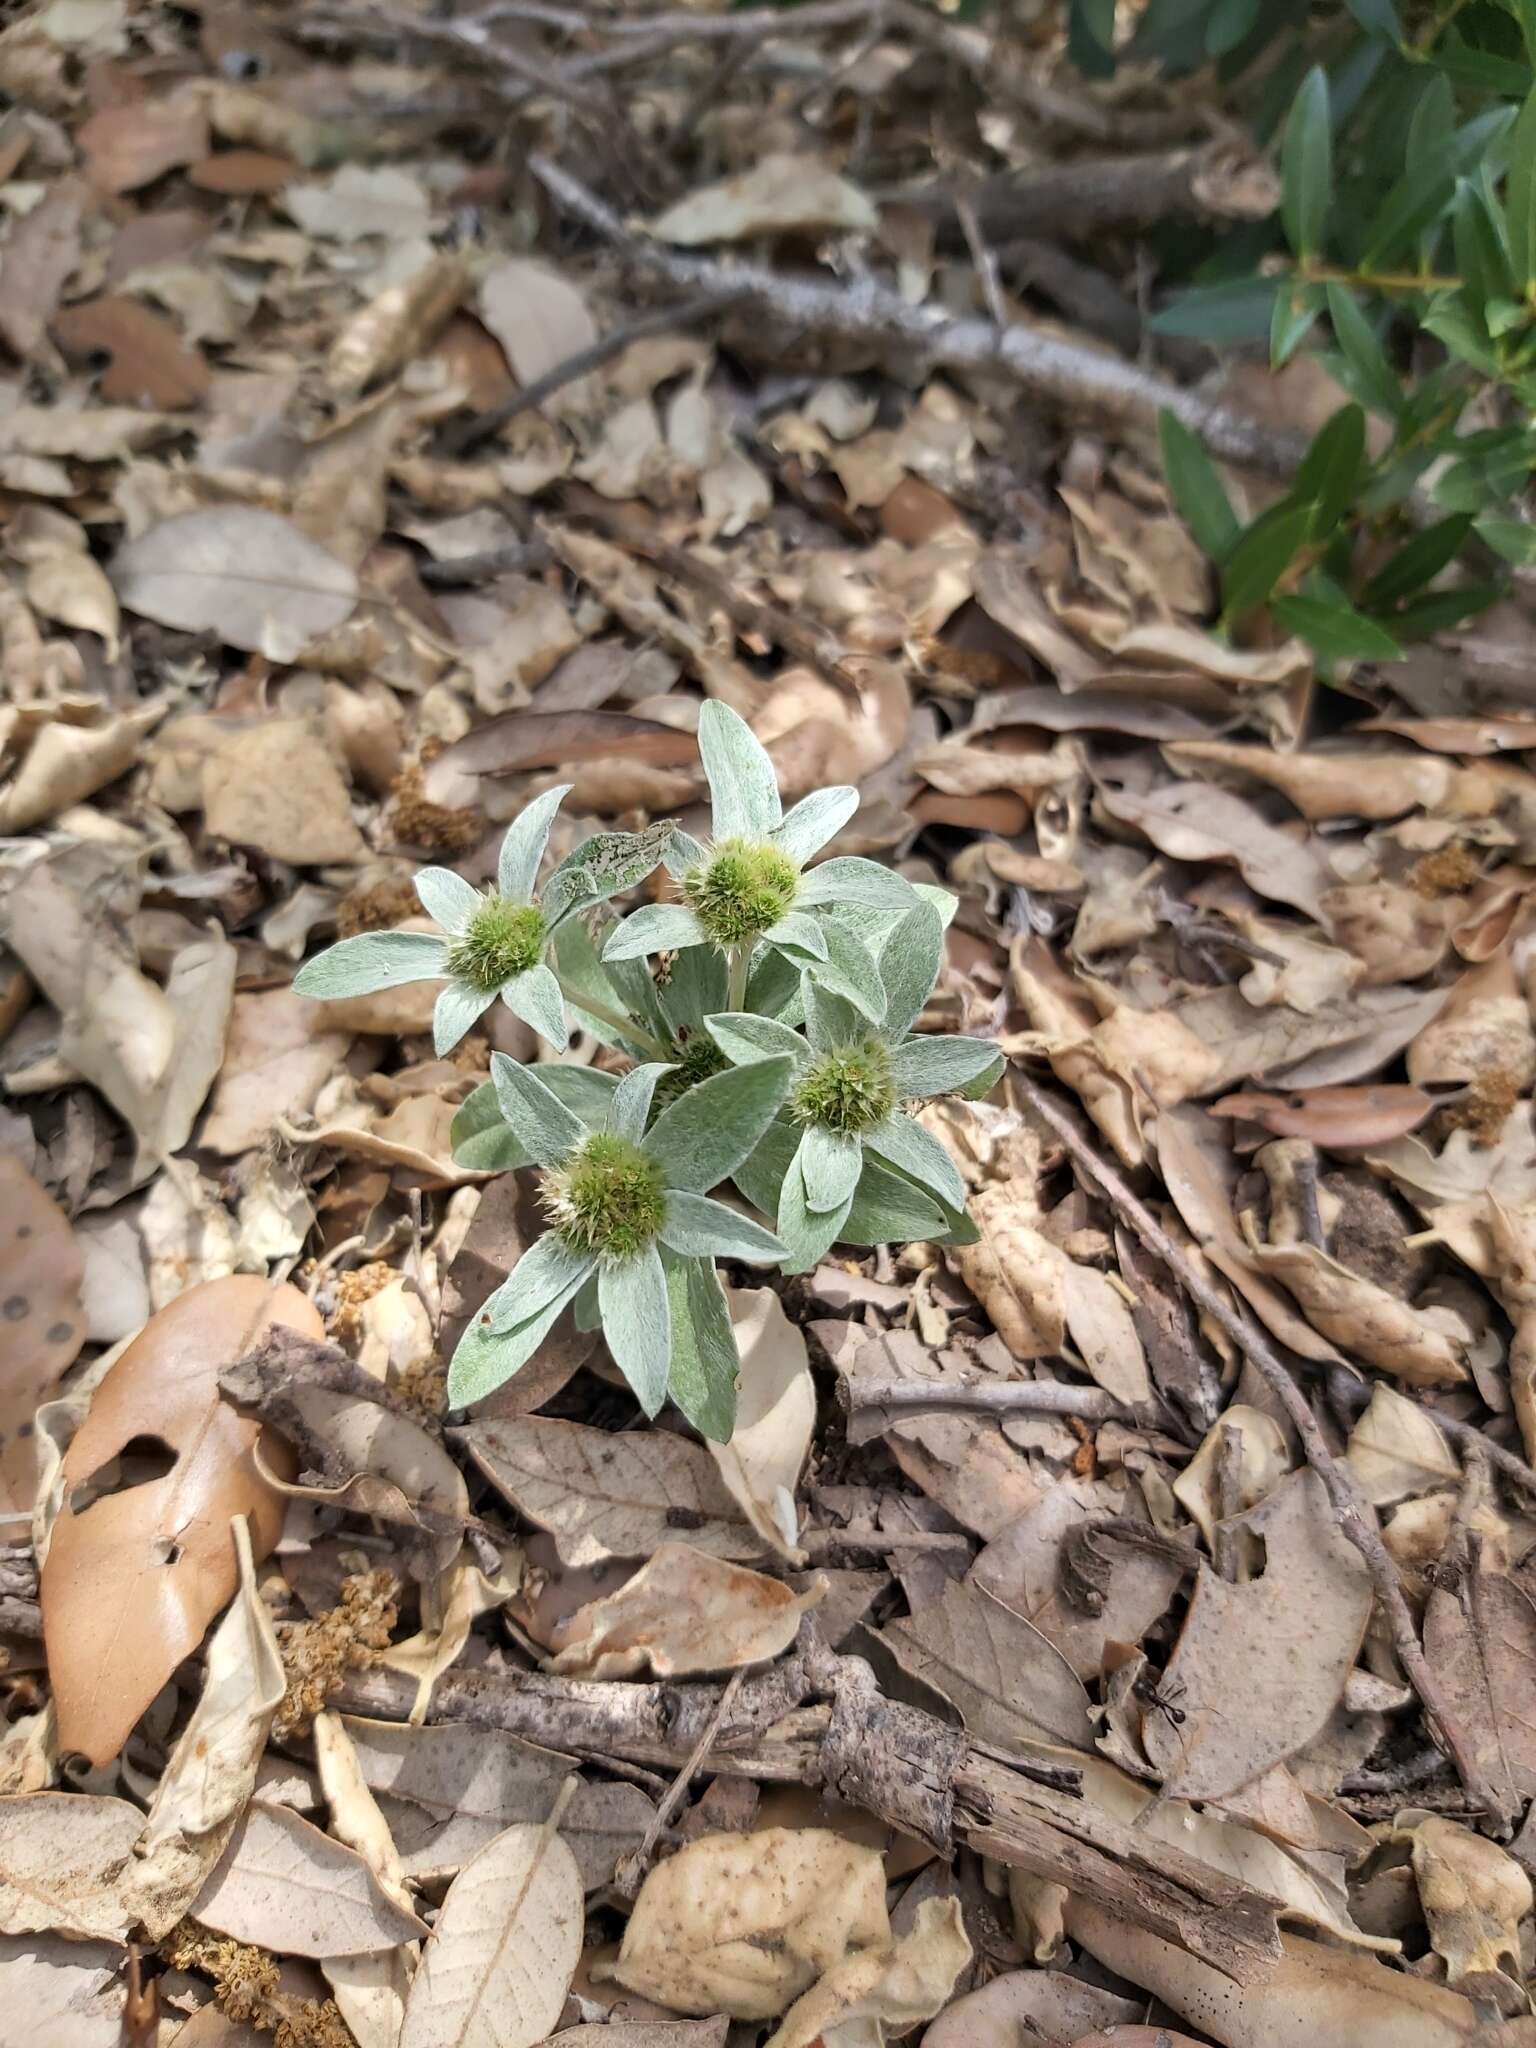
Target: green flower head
x=845, y=1148
x=749, y=892
x=626, y=1194
x=495, y=941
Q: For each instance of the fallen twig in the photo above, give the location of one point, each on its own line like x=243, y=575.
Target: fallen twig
x=631, y=1871
x=1044, y=364
x=1355, y=1520
x=872, y=1406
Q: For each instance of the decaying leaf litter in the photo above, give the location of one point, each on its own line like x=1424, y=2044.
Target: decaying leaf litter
x=1123, y=1619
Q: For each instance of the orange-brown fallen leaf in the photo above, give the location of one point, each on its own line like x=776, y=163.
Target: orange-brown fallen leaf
x=134, y=1576
x=1334, y=1117
x=40, y=1315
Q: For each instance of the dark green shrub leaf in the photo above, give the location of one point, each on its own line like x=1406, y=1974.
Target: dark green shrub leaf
x=1520, y=194
x=1373, y=380
x=1424, y=190
x=1306, y=165
x=1239, y=310
x=1417, y=564
x=1377, y=18
x=1330, y=472
x=1197, y=489
x=1443, y=609
x=1295, y=311
x=1262, y=556
x=1460, y=327
x=1482, y=255
x=1511, y=538
x=1336, y=631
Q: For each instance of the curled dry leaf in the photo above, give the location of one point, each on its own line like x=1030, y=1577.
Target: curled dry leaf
x=603, y=1495
x=745, y=1924
x=1474, y=1896
x=134, y=1576
x=41, y=1311
x=1361, y=1317
x=1375, y=785
x=1262, y=1462
x=1338, y=1118
x=283, y=1885
x=1396, y=1450
x=1011, y=1684
x=504, y=1949
x=1036, y=2006
x=775, y=1417
x=246, y=575
x=1190, y=822
x=1259, y=1667
x=278, y=1054
x=683, y=1613
x=67, y=763
x=781, y=194
x=862, y=1995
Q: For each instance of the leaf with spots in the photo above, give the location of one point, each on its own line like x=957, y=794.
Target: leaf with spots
x=41, y=1320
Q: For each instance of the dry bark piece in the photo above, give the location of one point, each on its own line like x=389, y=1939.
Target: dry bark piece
x=133, y=1577
x=41, y=1315
x=1259, y=1668
x=604, y=1495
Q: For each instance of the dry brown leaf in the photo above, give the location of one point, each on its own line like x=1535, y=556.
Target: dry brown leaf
x=283, y=1885
x=1348, y=1118
x=1395, y=933
x=1259, y=1667
x=41, y=252
x=274, y=786
x=1315, y=1997
x=539, y=317
x=133, y=1578
x=1014, y=1271
x=212, y=1770
x=745, y=1924
x=862, y=1995
x=1010, y=1682
x=1480, y=1640
x=1021, y=1568
x=683, y=1613
x=277, y=1056
x=402, y=322
x=1263, y=1459
x=1474, y=1895
x=148, y=363
x=246, y=575
x=780, y=194
x=67, y=763
x=602, y=1494
x=447, y=1789
x=1356, y=785
x=775, y=1418
x=67, y=586
x=129, y=146
x=1396, y=1450
x=1360, y=1316
x=1045, y=2008
x=1197, y=823
x=361, y=200
x=41, y=1272
x=1483, y=1033
x=504, y=1949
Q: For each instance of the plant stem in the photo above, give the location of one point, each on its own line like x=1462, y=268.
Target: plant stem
x=626, y=1026
x=741, y=961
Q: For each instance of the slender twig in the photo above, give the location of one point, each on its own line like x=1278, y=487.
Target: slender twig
x=630, y=1874
x=984, y=260
x=874, y=1405
x=522, y=557
x=467, y=434
x=468, y=39
x=1045, y=364
x=1356, y=1524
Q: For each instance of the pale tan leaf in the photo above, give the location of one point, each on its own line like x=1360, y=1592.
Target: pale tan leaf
x=1012, y=1685
x=684, y=1612
x=277, y=1055
x=42, y=1273
x=605, y=1495
x=1033, y=2006
x=745, y=1924
x=60, y=1857
x=70, y=1991
x=72, y=588
x=275, y=786
x=1194, y=823
x=283, y=1885
x=538, y=316
x=1259, y=1667
x=779, y=194
x=504, y=1949
x=1362, y=1317
x=247, y=575
x=361, y=200
x=1474, y=1895
x=1263, y=1461
x=67, y=763
x=1395, y=1450
x=899, y=1987
x=775, y=1418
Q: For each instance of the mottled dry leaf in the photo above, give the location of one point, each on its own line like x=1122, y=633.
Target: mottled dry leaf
x=606, y=1495
x=745, y=1924
x=685, y=1612
x=1194, y=823
x=1315, y=1997
x=709, y=2033
x=277, y=1056
x=246, y=575
x=1474, y=1895
x=283, y=1885
x=1012, y=1684
x=447, y=1789
x=132, y=1579
x=212, y=1770
x=67, y=1989
x=504, y=1949
x=1021, y=1566
x=775, y=1418
x=131, y=145
x=60, y=1853
x=862, y=1995
x=1334, y=1117
x=1396, y=1450
x=1043, y=2008
x=1014, y=1271
x=275, y=786
x=780, y=194
x=1480, y=1639
x=1363, y=1318
x=1259, y=1667
x=41, y=1271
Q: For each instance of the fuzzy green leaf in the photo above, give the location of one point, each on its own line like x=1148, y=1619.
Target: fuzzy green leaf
x=697, y=1227
x=637, y=1324
x=523, y=848
x=540, y=1121
x=935, y=1066
x=705, y=1361
x=815, y=820
x=371, y=961
x=704, y=1136
x=743, y=784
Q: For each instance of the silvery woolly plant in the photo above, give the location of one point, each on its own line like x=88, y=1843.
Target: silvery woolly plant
x=764, y=1020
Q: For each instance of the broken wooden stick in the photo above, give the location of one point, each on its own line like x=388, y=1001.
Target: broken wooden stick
x=872, y=1405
